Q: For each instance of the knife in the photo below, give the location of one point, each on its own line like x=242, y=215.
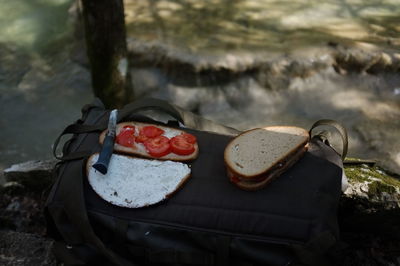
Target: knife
x=108, y=144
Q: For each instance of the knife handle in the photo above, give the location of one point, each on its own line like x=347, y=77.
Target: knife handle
x=104, y=158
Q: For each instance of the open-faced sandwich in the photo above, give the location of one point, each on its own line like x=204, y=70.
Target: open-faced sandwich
x=154, y=141
x=136, y=182
x=255, y=157
x=151, y=168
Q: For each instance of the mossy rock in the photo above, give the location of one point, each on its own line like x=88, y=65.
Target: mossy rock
x=371, y=204
x=33, y=175
x=374, y=184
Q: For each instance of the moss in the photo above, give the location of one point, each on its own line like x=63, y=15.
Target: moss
x=355, y=175
x=377, y=180
x=376, y=188
x=362, y=173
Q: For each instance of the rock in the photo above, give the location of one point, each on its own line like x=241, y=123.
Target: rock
x=384, y=142
x=12, y=188
x=22, y=249
x=22, y=210
x=373, y=184
x=161, y=54
x=14, y=65
x=147, y=80
x=357, y=87
x=34, y=175
x=356, y=60
x=371, y=203
x=369, y=212
x=278, y=74
x=2, y=180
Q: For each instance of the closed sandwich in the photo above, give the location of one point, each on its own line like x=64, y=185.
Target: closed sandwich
x=255, y=157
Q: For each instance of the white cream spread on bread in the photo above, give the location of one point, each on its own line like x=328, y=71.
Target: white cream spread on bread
x=135, y=182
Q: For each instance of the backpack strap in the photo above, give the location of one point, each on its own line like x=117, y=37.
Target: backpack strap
x=96, y=103
x=73, y=129
x=339, y=127
x=80, y=128
x=72, y=209
x=187, y=118
x=151, y=104
x=72, y=189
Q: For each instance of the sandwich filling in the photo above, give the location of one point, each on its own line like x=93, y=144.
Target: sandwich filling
x=276, y=170
x=154, y=141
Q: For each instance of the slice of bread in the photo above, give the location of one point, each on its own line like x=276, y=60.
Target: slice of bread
x=259, y=154
x=252, y=184
x=135, y=182
x=139, y=149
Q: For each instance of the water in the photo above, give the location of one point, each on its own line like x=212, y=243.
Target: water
x=365, y=104
x=41, y=89
x=258, y=63
x=34, y=25
x=243, y=63
x=222, y=26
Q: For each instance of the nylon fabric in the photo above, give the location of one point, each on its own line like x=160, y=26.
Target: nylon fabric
x=65, y=254
x=69, y=194
x=223, y=249
x=209, y=221
x=240, y=211
x=342, y=131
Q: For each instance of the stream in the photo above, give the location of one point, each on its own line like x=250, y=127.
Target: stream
x=245, y=64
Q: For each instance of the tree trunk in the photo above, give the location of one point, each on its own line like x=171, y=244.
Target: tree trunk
x=104, y=23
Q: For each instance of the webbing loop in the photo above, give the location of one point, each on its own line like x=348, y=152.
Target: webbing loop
x=340, y=128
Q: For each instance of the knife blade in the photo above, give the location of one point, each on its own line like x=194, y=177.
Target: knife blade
x=108, y=144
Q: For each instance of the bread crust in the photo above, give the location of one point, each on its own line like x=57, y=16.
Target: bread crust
x=262, y=174
x=262, y=181
x=167, y=196
x=140, y=150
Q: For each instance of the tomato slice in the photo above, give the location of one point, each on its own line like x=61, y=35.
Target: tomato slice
x=141, y=139
x=126, y=137
x=158, y=146
x=151, y=131
x=234, y=179
x=189, y=137
x=180, y=146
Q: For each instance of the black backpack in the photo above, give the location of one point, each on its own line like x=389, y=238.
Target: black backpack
x=209, y=221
